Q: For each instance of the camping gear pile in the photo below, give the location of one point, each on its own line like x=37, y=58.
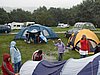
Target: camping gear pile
x=85, y=66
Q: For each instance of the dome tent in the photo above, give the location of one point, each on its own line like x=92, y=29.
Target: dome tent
x=91, y=36
x=84, y=66
x=46, y=31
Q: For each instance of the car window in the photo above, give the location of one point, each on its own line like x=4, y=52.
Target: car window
x=88, y=26
x=18, y=25
x=84, y=26
x=78, y=26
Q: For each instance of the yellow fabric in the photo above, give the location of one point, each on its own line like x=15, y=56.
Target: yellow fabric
x=72, y=35
x=89, y=34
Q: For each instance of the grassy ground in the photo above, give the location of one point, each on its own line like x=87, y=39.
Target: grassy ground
x=56, y=29
x=28, y=49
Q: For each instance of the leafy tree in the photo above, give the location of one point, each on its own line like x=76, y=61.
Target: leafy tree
x=4, y=18
x=42, y=16
x=87, y=11
x=20, y=15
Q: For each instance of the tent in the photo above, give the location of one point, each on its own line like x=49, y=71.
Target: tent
x=84, y=66
x=91, y=36
x=46, y=31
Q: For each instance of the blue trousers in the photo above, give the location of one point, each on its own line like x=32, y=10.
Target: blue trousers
x=17, y=67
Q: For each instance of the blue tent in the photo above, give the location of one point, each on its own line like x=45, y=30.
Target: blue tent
x=49, y=68
x=46, y=31
x=84, y=66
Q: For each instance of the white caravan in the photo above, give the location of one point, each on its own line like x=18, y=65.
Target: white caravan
x=16, y=25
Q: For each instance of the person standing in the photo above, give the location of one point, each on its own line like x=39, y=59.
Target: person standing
x=15, y=56
x=61, y=48
x=85, y=48
x=6, y=67
x=70, y=42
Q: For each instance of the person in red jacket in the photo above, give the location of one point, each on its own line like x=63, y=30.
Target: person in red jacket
x=85, y=48
x=6, y=67
x=37, y=55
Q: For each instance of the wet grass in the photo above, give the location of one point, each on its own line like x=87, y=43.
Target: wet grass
x=28, y=49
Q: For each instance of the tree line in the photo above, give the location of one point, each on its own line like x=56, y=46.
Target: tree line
x=87, y=11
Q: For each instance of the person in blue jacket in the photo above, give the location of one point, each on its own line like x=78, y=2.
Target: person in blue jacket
x=15, y=56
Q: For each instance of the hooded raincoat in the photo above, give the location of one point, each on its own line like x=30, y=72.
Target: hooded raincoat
x=15, y=53
x=7, y=68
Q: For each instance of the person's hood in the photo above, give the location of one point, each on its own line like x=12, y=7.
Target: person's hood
x=13, y=43
x=5, y=57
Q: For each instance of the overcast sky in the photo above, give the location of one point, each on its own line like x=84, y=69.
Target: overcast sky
x=38, y=3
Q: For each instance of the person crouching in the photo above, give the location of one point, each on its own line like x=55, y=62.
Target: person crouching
x=37, y=55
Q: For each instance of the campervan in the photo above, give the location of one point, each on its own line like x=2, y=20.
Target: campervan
x=79, y=26
x=29, y=23
x=16, y=25
x=62, y=25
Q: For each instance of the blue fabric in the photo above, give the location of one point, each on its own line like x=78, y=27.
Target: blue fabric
x=15, y=53
x=49, y=68
x=52, y=35
x=43, y=38
x=17, y=67
x=91, y=68
x=20, y=34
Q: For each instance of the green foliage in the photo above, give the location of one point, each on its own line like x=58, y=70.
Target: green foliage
x=56, y=29
x=88, y=11
x=20, y=15
x=27, y=49
x=4, y=18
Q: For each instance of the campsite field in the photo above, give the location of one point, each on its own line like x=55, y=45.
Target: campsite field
x=28, y=49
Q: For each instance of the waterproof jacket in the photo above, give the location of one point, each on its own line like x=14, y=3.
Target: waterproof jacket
x=85, y=45
x=61, y=47
x=7, y=68
x=15, y=53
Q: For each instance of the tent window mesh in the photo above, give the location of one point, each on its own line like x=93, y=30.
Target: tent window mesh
x=45, y=32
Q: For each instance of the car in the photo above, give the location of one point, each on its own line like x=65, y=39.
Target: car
x=62, y=25
x=5, y=29
x=79, y=26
